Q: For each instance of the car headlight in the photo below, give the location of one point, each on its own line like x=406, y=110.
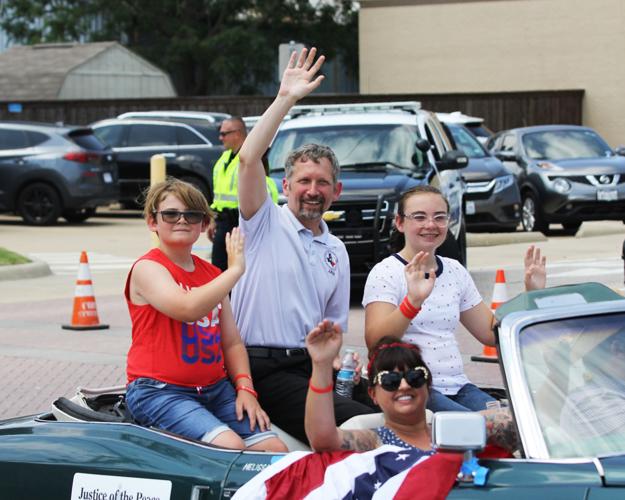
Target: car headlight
x=503, y=182
x=547, y=165
x=561, y=185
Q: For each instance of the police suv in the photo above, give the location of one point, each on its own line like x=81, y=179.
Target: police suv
x=384, y=149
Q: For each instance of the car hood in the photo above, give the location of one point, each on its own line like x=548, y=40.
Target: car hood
x=370, y=184
x=483, y=169
x=614, y=468
x=592, y=166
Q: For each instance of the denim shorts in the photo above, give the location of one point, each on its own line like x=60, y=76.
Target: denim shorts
x=197, y=414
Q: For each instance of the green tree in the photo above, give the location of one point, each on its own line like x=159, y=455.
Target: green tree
x=209, y=47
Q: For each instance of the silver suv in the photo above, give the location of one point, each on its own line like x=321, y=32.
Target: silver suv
x=384, y=149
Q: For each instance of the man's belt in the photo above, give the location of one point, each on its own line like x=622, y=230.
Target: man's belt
x=276, y=352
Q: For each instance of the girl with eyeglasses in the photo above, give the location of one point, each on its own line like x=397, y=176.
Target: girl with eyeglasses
x=400, y=382
x=419, y=297
x=188, y=370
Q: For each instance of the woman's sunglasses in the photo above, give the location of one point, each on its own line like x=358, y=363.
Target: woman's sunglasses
x=173, y=216
x=390, y=381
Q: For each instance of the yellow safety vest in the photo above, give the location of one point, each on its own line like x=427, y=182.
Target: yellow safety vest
x=225, y=180
x=272, y=189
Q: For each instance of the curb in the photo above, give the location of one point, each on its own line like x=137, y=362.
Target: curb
x=35, y=269
x=492, y=239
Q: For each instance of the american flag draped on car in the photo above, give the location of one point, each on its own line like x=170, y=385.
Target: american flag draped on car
x=383, y=473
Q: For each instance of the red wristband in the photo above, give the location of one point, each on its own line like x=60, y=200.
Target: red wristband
x=242, y=375
x=248, y=389
x=407, y=309
x=319, y=390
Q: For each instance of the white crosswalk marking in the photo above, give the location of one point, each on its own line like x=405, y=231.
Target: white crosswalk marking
x=585, y=268
x=66, y=263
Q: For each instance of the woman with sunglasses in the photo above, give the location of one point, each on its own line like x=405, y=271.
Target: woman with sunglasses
x=400, y=382
x=419, y=297
x=188, y=370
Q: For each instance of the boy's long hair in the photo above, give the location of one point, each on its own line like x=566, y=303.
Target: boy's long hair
x=187, y=193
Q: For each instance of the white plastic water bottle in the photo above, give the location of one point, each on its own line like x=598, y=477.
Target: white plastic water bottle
x=345, y=379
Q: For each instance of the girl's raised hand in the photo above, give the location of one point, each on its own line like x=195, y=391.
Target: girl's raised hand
x=235, y=248
x=535, y=269
x=419, y=286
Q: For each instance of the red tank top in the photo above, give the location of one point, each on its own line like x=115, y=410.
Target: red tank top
x=187, y=354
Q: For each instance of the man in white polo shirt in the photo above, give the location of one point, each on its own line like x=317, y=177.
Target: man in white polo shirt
x=297, y=273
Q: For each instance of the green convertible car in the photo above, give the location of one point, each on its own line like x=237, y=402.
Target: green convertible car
x=562, y=355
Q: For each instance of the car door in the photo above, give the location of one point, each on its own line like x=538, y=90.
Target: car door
x=507, y=152
x=14, y=151
x=449, y=181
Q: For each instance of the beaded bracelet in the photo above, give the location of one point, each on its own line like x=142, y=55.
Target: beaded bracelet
x=320, y=390
x=248, y=389
x=407, y=309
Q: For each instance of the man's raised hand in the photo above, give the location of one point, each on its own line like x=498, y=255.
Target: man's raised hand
x=299, y=78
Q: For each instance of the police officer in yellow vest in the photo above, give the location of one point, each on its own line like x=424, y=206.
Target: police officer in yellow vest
x=232, y=134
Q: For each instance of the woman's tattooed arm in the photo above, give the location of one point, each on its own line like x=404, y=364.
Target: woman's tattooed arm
x=359, y=440
x=500, y=429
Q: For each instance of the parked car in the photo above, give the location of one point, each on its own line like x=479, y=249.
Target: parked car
x=205, y=122
x=554, y=346
x=384, y=149
x=48, y=171
x=493, y=199
x=189, y=155
x=567, y=175
x=474, y=124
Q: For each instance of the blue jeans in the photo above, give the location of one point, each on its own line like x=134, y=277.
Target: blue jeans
x=197, y=414
x=469, y=398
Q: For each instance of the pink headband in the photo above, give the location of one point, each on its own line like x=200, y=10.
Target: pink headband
x=378, y=349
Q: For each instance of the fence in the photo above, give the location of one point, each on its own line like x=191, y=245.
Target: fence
x=501, y=110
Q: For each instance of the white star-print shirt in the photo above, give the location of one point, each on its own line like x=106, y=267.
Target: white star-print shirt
x=433, y=329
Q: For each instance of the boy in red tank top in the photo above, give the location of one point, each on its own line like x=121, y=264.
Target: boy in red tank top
x=188, y=370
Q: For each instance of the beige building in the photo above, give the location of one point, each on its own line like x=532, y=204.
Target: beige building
x=443, y=46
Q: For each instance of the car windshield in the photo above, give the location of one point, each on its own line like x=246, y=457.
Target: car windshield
x=565, y=144
x=467, y=142
x=575, y=370
x=352, y=144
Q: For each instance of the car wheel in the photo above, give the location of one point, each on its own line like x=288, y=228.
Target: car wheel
x=570, y=228
x=39, y=204
x=78, y=215
x=198, y=183
x=531, y=216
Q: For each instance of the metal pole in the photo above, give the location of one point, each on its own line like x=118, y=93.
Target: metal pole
x=158, y=171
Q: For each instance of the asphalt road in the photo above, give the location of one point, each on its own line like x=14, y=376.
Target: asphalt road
x=39, y=361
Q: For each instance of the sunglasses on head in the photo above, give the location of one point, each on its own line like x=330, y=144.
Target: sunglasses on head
x=173, y=216
x=390, y=381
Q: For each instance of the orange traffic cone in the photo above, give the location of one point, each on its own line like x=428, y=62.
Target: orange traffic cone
x=500, y=295
x=85, y=315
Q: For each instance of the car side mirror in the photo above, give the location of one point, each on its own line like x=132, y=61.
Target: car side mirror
x=423, y=145
x=506, y=155
x=458, y=431
x=453, y=160
x=620, y=150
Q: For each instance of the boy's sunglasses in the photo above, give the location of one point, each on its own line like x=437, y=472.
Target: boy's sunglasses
x=173, y=216
x=390, y=381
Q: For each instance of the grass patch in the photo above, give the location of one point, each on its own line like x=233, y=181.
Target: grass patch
x=8, y=258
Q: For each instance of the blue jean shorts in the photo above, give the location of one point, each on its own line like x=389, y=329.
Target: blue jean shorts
x=198, y=414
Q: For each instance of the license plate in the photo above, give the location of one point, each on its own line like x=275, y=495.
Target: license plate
x=607, y=195
x=108, y=178
x=470, y=207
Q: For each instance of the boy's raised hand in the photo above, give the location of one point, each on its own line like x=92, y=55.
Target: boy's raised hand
x=299, y=79
x=235, y=246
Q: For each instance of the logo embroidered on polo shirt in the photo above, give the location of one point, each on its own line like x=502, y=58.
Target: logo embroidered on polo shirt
x=331, y=261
